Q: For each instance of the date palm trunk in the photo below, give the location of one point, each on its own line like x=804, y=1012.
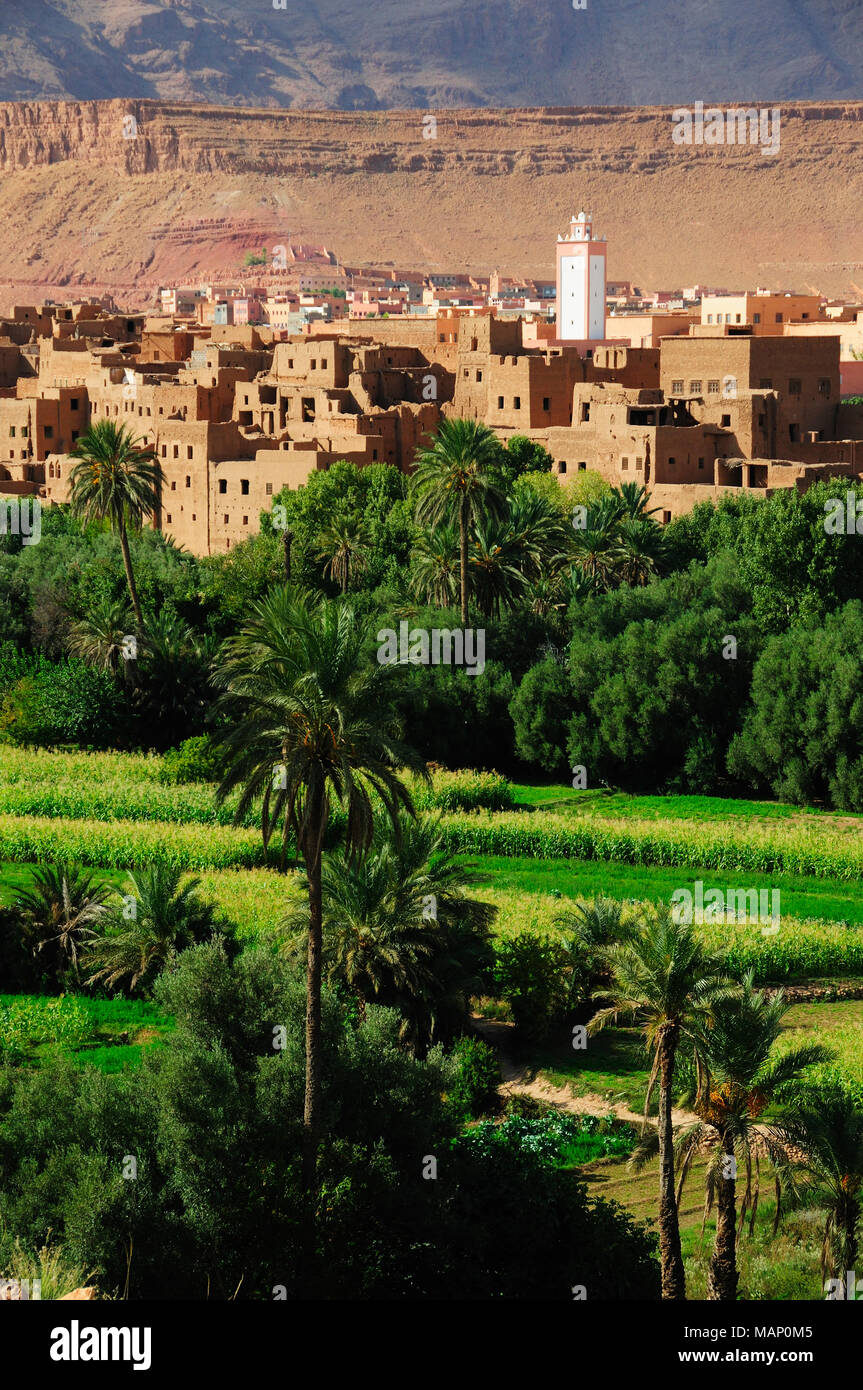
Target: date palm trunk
x=671, y=1256
x=462, y=544
x=130, y=577
x=312, y=854
x=722, y=1275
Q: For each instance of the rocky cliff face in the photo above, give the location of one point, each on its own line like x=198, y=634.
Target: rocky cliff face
x=128, y=195
x=430, y=53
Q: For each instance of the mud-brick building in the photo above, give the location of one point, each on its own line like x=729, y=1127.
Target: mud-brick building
x=786, y=389
x=510, y=388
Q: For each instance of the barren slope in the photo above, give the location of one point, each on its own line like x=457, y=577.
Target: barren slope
x=199, y=186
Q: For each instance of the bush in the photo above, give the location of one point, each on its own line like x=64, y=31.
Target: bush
x=475, y=1089
x=529, y=972
x=465, y=791
x=64, y=703
x=541, y=709
x=195, y=760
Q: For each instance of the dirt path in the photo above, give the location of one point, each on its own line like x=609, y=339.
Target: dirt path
x=517, y=1080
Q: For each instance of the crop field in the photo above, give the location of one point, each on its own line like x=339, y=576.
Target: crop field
x=106, y=1033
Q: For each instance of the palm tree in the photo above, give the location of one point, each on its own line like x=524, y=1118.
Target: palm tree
x=820, y=1143
x=343, y=545
x=134, y=947
x=595, y=543
x=312, y=725
x=587, y=930
x=173, y=690
x=400, y=930
x=666, y=978
x=542, y=535
x=496, y=579
x=633, y=499
x=435, y=566
x=118, y=481
x=62, y=909
x=456, y=480
x=638, y=549
x=99, y=637
x=738, y=1080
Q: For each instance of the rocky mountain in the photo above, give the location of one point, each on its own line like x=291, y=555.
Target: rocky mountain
x=437, y=54
x=128, y=196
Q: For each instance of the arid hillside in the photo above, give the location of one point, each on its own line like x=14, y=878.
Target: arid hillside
x=128, y=196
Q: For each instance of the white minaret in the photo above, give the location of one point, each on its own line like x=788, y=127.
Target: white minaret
x=581, y=283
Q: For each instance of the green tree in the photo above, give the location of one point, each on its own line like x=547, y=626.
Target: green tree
x=455, y=480
x=138, y=939
x=818, y=1152
x=802, y=731
x=61, y=912
x=117, y=481
x=399, y=929
x=739, y=1079
x=665, y=978
x=311, y=725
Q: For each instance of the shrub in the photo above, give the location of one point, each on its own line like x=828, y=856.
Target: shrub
x=65, y=703
x=529, y=972
x=49, y=1268
x=475, y=1089
x=195, y=760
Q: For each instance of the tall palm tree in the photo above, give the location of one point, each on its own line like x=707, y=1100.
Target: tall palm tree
x=62, y=909
x=820, y=1156
x=131, y=950
x=343, y=544
x=312, y=726
x=401, y=930
x=738, y=1080
x=456, y=480
x=666, y=978
x=118, y=481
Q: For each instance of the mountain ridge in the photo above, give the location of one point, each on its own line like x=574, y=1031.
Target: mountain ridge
x=429, y=53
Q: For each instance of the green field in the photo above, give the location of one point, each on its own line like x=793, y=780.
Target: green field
x=116, y=1033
